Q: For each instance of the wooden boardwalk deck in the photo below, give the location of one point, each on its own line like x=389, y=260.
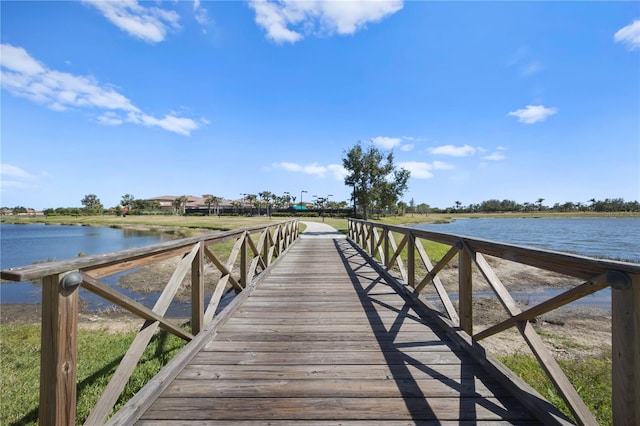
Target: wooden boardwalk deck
x=325, y=339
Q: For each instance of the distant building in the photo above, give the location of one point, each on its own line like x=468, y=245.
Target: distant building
x=194, y=204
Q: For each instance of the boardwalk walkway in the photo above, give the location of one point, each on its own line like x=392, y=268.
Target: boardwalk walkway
x=325, y=339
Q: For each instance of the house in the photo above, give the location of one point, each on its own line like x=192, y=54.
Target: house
x=194, y=204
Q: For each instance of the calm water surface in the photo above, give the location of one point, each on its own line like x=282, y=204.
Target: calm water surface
x=612, y=238
x=23, y=245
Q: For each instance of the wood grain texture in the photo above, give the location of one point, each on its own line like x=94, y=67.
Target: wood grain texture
x=325, y=338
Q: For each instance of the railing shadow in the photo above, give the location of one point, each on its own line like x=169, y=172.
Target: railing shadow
x=399, y=361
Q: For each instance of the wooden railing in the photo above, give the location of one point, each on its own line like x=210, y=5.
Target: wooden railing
x=60, y=282
x=379, y=241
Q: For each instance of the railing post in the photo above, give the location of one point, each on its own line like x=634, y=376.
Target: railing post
x=411, y=260
x=197, y=291
x=58, y=353
x=266, y=246
x=244, y=264
x=372, y=241
x=625, y=342
x=385, y=250
x=465, y=291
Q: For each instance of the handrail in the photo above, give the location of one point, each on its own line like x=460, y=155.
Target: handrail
x=378, y=241
x=60, y=281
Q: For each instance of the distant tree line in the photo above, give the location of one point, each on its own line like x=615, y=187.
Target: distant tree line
x=509, y=206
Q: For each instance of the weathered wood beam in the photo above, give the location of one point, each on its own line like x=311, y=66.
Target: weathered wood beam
x=131, y=305
x=575, y=293
x=58, y=353
x=546, y=360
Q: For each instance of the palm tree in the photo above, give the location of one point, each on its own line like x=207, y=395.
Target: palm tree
x=176, y=203
x=266, y=197
x=127, y=202
x=539, y=203
x=180, y=203
x=251, y=198
x=212, y=199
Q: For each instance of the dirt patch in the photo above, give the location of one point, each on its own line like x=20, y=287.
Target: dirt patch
x=113, y=321
x=568, y=332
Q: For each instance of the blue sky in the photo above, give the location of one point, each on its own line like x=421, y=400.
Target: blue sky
x=479, y=100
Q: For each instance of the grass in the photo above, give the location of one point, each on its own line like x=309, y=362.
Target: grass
x=591, y=377
x=99, y=353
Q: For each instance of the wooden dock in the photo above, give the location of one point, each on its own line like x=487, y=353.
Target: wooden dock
x=324, y=338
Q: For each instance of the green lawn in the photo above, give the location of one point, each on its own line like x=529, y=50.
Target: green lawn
x=99, y=353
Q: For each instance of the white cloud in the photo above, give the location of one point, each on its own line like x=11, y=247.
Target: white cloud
x=629, y=35
x=314, y=169
x=8, y=170
x=452, y=150
x=338, y=171
x=24, y=76
x=386, y=142
x=496, y=156
x=201, y=14
x=318, y=17
x=419, y=170
x=110, y=118
x=440, y=165
x=533, y=113
x=16, y=177
x=389, y=143
x=422, y=170
x=150, y=24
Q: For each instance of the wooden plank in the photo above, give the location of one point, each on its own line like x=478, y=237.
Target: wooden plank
x=127, y=265
x=302, y=372
x=434, y=344
x=335, y=388
x=332, y=409
x=401, y=338
x=370, y=329
x=284, y=357
x=305, y=422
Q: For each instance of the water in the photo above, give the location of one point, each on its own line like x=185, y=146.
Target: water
x=23, y=245
x=611, y=238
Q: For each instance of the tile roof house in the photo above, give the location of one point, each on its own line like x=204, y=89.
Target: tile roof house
x=193, y=202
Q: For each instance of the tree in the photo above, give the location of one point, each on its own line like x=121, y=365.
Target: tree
x=374, y=177
x=180, y=203
x=266, y=197
x=127, y=202
x=251, y=198
x=212, y=199
x=92, y=204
